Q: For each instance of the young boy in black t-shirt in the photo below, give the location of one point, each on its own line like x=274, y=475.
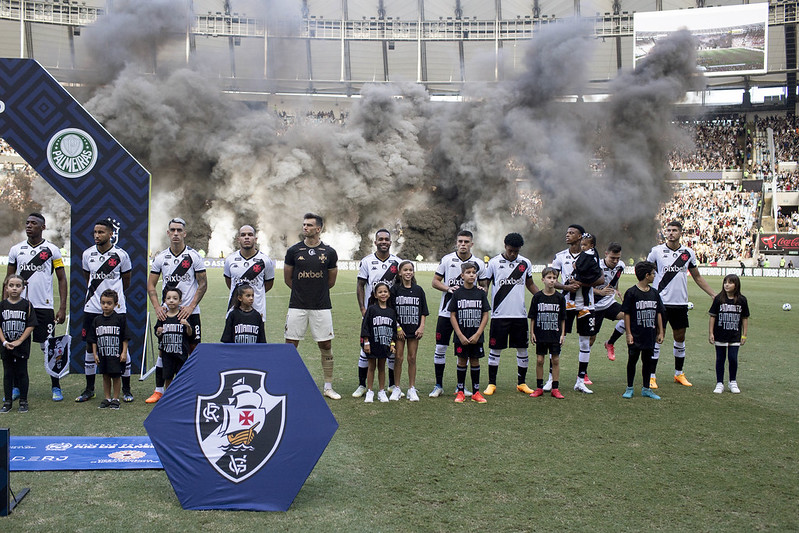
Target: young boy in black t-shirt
x=547, y=330
x=109, y=337
x=643, y=321
x=175, y=335
x=469, y=309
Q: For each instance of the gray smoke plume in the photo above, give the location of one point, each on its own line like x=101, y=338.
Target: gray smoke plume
x=403, y=161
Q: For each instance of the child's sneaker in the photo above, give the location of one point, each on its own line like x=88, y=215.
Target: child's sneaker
x=360, y=391
x=653, y=384
x=23, y=406
x=490, y=389
x=127, y=396
x=114, y=404
x=587, y=380
x=647, y=393
x=57, y=394
x=557, y=394
x=105, y=404
x=477, y=397
x=396, y=394
x=381, y=395
x=548, y=384
x=413, y=396
x=629, y=392
x=437, y=391
x=15, y=394
x=580, y=387
x=733, y=387
x=370, y=396
x=536, y=393
x=719, y=388
x=6, y=407
x=460, y=397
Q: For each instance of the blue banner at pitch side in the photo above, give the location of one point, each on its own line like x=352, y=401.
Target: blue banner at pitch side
x=65, y=145
x=241, y=427
x=38, y=454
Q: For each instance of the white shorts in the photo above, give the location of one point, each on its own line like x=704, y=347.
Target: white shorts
x=320, y=322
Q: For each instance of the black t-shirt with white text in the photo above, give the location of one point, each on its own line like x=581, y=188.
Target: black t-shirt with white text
x=547, y=312
x=411, y=305
x=14, y=320
x=174, y=339
x=379, y=327
x=469, y=306
x=729, y=317
x=243, y=327
x=109, y=333
x=643, y=308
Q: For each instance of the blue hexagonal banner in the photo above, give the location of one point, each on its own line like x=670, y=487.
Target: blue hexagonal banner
x=241, y=427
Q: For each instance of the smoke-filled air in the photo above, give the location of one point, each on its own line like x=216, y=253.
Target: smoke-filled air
x=401, y=161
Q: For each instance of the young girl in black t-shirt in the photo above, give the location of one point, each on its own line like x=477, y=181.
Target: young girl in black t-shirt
x=244, y=325
x=729, y=320
x=17, y=321
x=410, y=304
x=378, y=333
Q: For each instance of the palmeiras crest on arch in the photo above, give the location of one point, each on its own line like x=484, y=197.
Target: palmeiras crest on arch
x=240, y=427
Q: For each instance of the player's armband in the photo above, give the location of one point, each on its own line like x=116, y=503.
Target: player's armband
x=58, y=263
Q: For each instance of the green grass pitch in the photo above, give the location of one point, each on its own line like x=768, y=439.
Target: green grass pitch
x=693, y=461
x=742, y=58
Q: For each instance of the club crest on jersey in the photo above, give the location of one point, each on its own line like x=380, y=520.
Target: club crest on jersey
x=240, y=427
x=185, y=263
x=684, y=256
x=72, y=153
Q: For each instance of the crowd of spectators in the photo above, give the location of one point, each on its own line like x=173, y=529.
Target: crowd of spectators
x=788, y=180
x=718, y=144
x=718, y=220
x=788, y=222
x=311, y=117
x=5, y=149
x=15, y=185
x=528, y=205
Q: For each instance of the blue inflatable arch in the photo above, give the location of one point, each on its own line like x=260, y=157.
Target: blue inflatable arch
x=65, y=145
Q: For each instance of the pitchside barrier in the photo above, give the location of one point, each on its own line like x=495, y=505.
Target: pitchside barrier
x=61, y=141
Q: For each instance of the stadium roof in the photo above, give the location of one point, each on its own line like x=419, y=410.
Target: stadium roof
x=293, y=46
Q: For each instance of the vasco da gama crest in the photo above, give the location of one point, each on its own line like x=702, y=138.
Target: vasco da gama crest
x=241, y=426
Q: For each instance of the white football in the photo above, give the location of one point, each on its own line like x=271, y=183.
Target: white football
x=690, y=305
x=786, y=307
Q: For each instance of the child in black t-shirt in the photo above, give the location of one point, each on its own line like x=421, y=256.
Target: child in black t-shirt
x=729, y=321
x=469, y=309
x=643, y=322
x=17, y=320
x=108, y=338
x=410, y=304
x=378, y=333
x=244, y=325
x=174, y=335
x=547, y=330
